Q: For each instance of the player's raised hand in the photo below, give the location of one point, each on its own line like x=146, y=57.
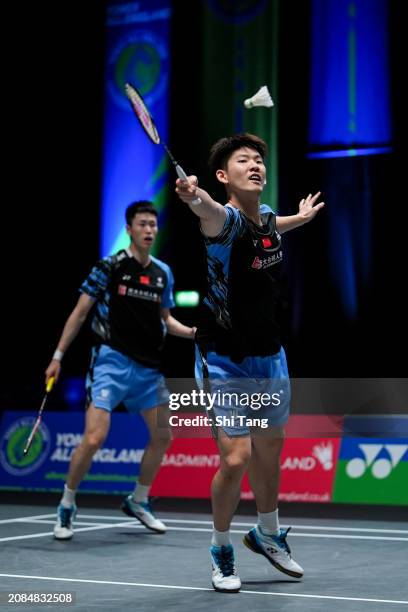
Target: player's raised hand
x=308, y=208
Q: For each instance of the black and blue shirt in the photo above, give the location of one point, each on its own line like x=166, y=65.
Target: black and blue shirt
x=241, y=317
x=129, y=297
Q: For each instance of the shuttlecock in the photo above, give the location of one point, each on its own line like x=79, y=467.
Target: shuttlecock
x=261, y=98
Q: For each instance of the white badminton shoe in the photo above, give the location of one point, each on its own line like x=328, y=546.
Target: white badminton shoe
x=144, y=513
x=224, y=574
x=275, y=549
x=63, y=528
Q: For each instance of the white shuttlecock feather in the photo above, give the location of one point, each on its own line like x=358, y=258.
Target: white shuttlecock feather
x=261, y=98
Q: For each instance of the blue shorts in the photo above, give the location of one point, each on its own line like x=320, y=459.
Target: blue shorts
x=252, y=394
x=113, y=378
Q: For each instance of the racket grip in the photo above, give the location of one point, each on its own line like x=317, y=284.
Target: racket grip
x=50, y=384
x=181, y=174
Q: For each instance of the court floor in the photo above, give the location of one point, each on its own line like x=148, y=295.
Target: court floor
x=113, y=563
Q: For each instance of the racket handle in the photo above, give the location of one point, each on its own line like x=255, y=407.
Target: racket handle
x=50, y=384
x=181, y=174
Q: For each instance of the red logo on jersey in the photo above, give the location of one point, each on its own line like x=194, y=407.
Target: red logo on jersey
x=122, y=290
x=145, y=280
x=257, y=263
x=266, y=243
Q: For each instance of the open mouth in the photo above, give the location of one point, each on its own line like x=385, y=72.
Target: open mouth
x=255, y=178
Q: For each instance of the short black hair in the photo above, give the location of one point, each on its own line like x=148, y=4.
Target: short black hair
x=141, y=206
x=222, y=150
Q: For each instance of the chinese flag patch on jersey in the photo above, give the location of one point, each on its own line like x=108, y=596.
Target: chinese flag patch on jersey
x=266, y=243
x=122, y=290
x=145, y=280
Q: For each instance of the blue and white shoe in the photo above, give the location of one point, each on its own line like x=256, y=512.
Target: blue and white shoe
x=224, y=574
x=63, y=528
x=142, y=511
x=275, y=549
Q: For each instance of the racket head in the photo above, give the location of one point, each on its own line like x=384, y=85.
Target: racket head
x=140, y=109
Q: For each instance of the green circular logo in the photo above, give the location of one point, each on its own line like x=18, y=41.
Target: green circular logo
x=138, y=63
x=16, y=444
x=142, y=60
x=12, y=446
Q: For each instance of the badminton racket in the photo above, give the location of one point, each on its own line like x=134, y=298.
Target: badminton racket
x=146, y=120
x=37, y=423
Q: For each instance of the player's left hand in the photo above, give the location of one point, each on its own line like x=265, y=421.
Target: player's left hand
x=307, y=208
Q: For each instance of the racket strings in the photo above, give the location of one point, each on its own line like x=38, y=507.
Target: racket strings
x=142, y=113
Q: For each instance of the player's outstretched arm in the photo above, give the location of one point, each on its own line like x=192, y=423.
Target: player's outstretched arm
x=212, y=214
x=71, y=328
x=308, y=209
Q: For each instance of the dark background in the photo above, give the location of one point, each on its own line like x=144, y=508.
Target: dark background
x=51, y=198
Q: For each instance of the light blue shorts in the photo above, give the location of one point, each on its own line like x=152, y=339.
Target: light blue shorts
x=253, y=393
x=113, y=378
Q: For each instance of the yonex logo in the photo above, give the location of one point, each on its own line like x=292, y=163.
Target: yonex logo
x=381, y=467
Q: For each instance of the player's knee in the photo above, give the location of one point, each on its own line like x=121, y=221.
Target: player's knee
x=94, y=440
x=235, y=464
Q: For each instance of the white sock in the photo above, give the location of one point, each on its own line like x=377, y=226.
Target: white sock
x=68, y=498
x=269, y=522
x=140, y=493
x=220, y=538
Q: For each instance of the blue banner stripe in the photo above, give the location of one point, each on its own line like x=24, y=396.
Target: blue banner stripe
x=137, y=51
x=371, y=449
x=393, y=426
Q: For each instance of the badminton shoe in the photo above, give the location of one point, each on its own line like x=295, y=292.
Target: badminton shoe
x=275, y=549
x=142, y=511
x=63, y=528
x=224, y=573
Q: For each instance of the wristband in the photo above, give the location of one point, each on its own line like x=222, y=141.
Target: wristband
x=58, y=355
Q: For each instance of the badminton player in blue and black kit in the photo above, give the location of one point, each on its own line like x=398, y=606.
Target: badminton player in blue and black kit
x=131, y=294
x=240, y=340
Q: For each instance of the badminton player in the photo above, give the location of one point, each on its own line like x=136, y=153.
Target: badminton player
x=131, y=294
x=240, y=336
